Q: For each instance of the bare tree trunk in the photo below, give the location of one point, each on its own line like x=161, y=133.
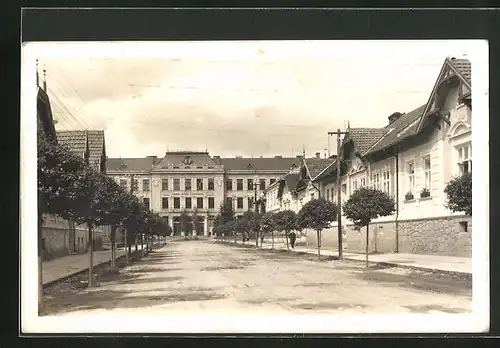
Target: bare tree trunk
x=272, y=240
x=257, y=238
x=40, y=264
x=142, y=244
x=318, y=235
x=286, y=237
x=91, y=254
x=113, y=246
x=367, y=242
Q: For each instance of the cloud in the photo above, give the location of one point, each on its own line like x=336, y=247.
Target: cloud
x=233, y=100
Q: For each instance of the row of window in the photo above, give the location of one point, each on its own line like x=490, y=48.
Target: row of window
x=188, y=202
x=250, y=184
x=239, y=202
x=176, y=184
x=188, y=184
x=464, y=162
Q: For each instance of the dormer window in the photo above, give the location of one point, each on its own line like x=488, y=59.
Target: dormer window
x=187, y=167
x=176, y=167
x=123, y=166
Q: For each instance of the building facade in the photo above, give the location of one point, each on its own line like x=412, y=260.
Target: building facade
x=412, y=159
x=197, y=184
x=294, y=189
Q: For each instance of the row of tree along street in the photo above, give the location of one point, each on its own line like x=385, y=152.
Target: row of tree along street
x=363, y=206
x=68, y=187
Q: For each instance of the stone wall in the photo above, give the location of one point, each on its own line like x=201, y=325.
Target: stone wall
x=438, y=236
x=435, y=236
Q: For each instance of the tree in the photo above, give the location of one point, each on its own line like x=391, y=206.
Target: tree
x=195, y=217
x=184, y=221
x=252, y=224
x=459, y=194
x=118, y=199
x=286, y=221
x=317, y=214
x=226, y=212
x=58, y=169
x=266, y=226
x=366, y=204
x=95, y=208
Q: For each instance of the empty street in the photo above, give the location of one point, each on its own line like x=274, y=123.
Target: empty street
x=189, y=277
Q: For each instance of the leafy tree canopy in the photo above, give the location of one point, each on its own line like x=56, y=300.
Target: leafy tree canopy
x=366, y=204
x=317, y=214
x=459, y=194
x=267, y=222
x=285, y=220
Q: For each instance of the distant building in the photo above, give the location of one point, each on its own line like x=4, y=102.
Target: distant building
x=297, y=187
x=189, y=181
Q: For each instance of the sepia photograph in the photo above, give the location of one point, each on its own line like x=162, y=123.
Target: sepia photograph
x=254, y=187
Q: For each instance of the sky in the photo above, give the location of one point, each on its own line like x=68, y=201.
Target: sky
x=233, y=98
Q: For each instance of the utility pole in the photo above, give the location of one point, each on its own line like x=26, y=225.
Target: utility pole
x=126, y=230
x=339, y=194
x=255, y=184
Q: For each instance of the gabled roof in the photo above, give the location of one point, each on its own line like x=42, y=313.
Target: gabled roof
x=97, y=148
x=78, y=142
x=192, y=159
x=461, y=68
x=364, y=138
x=44, y=114
x=130, y=164
x=273, y=163
x=315, y=166
x=74, y=141
x=396, y=131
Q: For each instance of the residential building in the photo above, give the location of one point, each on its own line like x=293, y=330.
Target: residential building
x=412, y=159
x=297, y=187
x=189, y=181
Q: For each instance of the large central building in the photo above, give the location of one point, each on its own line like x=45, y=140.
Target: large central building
x=192, y=182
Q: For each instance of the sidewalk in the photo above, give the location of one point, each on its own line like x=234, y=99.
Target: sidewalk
x=448, y=264
x=65, y=266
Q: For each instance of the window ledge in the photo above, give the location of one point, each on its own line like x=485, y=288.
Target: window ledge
x=410, y=201
x=425, y=198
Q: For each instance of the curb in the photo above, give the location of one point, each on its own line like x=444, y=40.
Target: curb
x=466, y=275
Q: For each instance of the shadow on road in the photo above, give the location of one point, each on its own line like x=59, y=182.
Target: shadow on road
x=428, y=308
x=427, y=281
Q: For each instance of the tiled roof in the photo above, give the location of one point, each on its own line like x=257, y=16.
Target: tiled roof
x=398, y=130
x=96, y=148
x=317, y=165
x=292, y=181
x=463, y=67
x=279, y=164
x=189, y=158
x=364, y=138
x=75, y=141
x=130, y=164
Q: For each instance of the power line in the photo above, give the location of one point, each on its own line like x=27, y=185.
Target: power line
x=72, y=112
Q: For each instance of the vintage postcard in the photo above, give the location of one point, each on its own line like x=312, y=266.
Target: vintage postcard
x=254, y=187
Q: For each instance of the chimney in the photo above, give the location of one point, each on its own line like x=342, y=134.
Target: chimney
x=216, y=157
x=239, y=157
x=299, y=156
x=278, y=156
x=153, y=158
x=318, y=154
x=394, y=117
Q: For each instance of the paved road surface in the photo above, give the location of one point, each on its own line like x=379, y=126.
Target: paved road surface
x=193, y=276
